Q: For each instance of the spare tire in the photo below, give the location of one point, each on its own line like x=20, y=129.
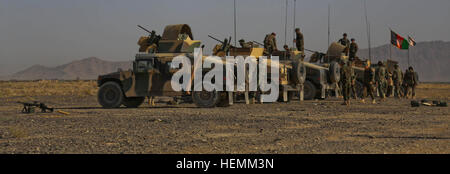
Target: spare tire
x=298, y=72
x=334, y=72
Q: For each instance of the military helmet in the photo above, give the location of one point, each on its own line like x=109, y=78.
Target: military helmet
x=380, y=63
x=242, y=40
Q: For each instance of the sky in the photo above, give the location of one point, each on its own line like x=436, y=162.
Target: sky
x=54, y=32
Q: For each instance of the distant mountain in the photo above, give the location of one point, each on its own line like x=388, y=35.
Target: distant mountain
x=430, y=59
x=85, y=69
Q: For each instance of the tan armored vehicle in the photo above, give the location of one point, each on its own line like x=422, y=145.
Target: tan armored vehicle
x=152, y=73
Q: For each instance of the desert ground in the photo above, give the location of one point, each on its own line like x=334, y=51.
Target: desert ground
x=318, y=126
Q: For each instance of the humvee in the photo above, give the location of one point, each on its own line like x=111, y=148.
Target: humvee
x=323, y=72
x=152, y=73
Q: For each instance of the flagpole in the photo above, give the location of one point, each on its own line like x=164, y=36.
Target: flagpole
x=408, y=57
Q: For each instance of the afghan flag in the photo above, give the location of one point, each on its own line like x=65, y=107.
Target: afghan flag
x=399, y=41
x=411, y=41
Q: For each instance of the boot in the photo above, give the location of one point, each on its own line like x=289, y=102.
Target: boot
x=374, y=102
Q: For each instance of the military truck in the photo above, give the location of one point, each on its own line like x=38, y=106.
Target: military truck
x=152, y=73
x=323, y=72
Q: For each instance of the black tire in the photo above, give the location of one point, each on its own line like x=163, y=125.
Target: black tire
x=110, y=95
x=334, y=72
x=206, y=99
x=133, y=102
x=309, y=90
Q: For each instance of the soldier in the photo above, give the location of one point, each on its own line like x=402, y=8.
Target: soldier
x=245, y=44
x=353, y=84
x=390, y=84
x=299, y=42
x=369, y=81
x=347, y=76
x=411, y=83
x=270, y=44
x=345, y=42
x=287, y=52
x=380, y=77
x=353, y=50
x=397, y=78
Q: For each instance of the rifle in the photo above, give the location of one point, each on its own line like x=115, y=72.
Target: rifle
x=148, y=31
x=258, y=43
x=224, y=43
x=29, y=107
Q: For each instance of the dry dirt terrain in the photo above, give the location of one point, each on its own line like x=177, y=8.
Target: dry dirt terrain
x=320, y=126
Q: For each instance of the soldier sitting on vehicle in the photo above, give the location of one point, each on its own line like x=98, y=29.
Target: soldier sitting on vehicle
x=245, y=44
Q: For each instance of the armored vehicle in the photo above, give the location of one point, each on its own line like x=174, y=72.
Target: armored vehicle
x=323, y=72
x=152, y=72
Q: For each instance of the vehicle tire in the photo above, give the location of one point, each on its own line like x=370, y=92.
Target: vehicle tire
x=110, y=95
x=299, y=72
x=334, y=72
x=309, y=90
x=133, y=102
x=206, y=99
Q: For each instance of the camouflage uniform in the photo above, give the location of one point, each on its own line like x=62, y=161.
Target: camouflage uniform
x=369, y=80
x=270, y=44
x=299, y=42
x=347, y=77
x=380, y=77
x=245, y=44
x=411, y=83
x=353, y=84
x=346, y=43
x=397, y=78
x=353, y=50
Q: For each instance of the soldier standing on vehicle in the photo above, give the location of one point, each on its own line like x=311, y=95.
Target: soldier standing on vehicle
x=353, y=50
x=270, y=44
x=299, y=42
x=345, y=42
x=380, y=77
x=397, y=78
x=347, y=77
x=411, y=83
x=369, y=81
